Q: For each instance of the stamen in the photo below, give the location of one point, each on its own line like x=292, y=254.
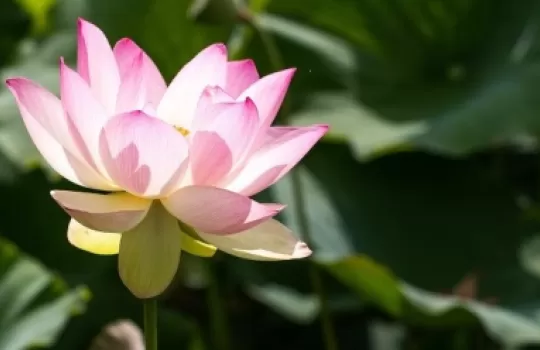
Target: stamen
x=183, y=131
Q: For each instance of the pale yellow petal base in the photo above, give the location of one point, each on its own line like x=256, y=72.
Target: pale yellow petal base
x=193, y=245
x=97, y=242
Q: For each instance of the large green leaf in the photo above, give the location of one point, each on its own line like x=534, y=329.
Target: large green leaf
x=419, y=307
x=35, y=304
x=447, y=77
x=430, y=220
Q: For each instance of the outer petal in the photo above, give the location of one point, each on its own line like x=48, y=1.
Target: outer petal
x=150, y=253
x=86, y=115
x=97, y=242
x=208, y=68
x=268, y=94
x=117, y=212
x=126, y=53
x=218, y=211
x=47, y=125
x=96, y=64
x=143, y=155
x=240, y=75
x=217, y=146
x=268, y=241
x=283, y=148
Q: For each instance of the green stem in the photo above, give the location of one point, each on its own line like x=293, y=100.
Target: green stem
x=218, y=317
x=277, y=62
x=150, y=324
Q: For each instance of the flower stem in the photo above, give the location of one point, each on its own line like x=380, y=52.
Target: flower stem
x=277, y=62
x=150, y=324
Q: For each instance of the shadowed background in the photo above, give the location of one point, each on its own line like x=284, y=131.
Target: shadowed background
x=421, y=204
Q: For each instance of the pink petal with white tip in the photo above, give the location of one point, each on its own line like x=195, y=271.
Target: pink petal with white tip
x=117, y=212
x=240, y=75
x=133, y=92
x=268, y=94
x=268, y=241
x=86, y=116
x=282, y=149
x=143, y=155
x=222, y=140
x=47, y=125
x=96, y=64
x=217, y=211
x=127, y=53
x=209, y=106
x=208, y=68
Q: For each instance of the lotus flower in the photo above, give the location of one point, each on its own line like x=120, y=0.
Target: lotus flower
x=179, y=162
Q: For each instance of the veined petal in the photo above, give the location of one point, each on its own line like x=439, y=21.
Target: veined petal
x=97, y=242
x=116, y=212
x=240, y=75
x=283, y=148
x=85, y=114
x=267, y=241
x=46, y=122
x=150, y=253
x=127, y=52
x=268, y=94
x=218, y=211
x=96, y=64
x=142, y=154
x=208, y=68
x=217, y=146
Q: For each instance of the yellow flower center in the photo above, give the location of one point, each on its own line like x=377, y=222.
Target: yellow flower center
x=183, y=131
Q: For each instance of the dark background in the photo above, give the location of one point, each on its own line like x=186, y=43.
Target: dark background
x=421, y=204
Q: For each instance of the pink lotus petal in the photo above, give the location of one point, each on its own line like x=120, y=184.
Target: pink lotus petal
x=96, y=64
x=209, y=106
x=208, y=68
x=221, y=143
x=142, y=154
x=126, y=52
x=47, y=125
x=268, y=94
x=133, y=91
x=211, y=158
x=283, y=148
x=117, y=212
x=267, y=241
x=217, y=211
x=86, y=116
x=240, y=75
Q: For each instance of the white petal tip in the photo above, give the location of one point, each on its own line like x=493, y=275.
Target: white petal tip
x=301, y=250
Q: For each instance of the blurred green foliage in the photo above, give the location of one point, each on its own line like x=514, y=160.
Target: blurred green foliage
x=429, y=175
